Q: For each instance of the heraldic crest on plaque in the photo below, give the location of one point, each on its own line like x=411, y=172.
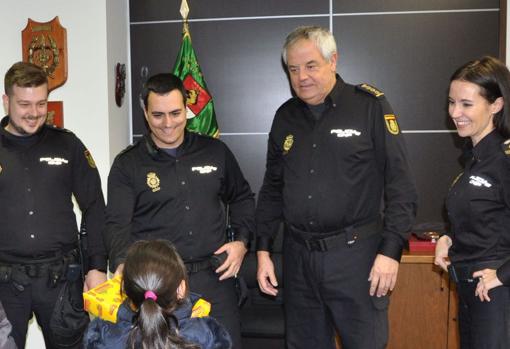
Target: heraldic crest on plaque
x=45, y=44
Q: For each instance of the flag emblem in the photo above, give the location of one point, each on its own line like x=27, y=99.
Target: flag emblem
x=197, y=97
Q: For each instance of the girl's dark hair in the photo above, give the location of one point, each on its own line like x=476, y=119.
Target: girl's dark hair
x=493, y=78
x=154, y=266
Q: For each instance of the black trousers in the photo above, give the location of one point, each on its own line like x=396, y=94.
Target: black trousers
x=223, y=299
x=328, y=291
x=37, y=298
x=483, y=325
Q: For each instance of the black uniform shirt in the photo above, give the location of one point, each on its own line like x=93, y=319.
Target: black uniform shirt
x=329, y=173
x=479, y=204
x=38, y=176
x=154, y=195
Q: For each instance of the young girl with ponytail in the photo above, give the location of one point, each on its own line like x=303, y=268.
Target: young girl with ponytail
x=157, y=311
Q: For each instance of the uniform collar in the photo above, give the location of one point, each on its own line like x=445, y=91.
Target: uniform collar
x=157, y=152
x=334, y=96
x=486, y=146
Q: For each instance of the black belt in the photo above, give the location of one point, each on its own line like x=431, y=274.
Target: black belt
x=324, y=241
x=39, y=258
x=39, y=267
x=195, y=267
x=212, y=262
x=463, y=272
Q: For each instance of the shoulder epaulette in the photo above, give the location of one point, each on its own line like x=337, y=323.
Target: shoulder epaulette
x=59, y=129
x=370, y=89
x=505, y=146
x=129, y=148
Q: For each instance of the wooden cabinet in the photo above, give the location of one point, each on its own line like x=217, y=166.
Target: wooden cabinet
x=423, y=306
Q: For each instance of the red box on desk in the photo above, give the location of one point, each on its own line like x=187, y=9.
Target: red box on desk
x=416, y=244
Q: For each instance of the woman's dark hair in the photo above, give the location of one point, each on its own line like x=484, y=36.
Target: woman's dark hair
x=493, y=78
x=162, y=84
x=152, y=273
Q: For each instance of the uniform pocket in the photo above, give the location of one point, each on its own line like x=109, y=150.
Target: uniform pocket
x=381, y=303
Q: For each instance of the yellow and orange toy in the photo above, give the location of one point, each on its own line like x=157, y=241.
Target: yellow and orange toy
x=104, y=300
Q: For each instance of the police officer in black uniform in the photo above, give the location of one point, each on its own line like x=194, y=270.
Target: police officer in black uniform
x=41, y=168
x=332, y=152
x=478, y=203
x=174, y=185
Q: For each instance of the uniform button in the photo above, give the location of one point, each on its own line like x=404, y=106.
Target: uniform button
x=32, y=236
x=30, y=212
x=187, y=207
x=334, y=105
x=183, y=182
x=314, y=145
x=312, y=170
x=312, y=222
x=26, y=168
x=309, y=196
x=190, y=233
x=29, y=189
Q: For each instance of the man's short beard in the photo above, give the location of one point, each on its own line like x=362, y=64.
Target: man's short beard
x=20, y=130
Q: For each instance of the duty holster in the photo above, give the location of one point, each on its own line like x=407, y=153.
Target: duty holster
x=69, y=319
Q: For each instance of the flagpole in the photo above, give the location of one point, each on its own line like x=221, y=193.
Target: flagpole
x=199, y=103
x=184, y=10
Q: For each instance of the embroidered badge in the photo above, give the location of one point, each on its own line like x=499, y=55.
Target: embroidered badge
x=204, y=169
x=89, y=158
x=153, y=181
x=391, y=124
x=479, y=181
x=287, y=144
x=54, y=161
x=345, y=133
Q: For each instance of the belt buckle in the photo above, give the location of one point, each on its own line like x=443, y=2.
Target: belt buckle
x=32, y=270
x=316, y=245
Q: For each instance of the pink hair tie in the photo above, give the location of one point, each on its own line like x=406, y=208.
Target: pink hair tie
x=151, y=295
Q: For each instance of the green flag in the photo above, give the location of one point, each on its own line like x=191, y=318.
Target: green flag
x=199, y=104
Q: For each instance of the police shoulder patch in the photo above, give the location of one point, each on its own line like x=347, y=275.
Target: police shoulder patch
x=391, y=124
x=505, y=146
x=370, y=89
x=90, y=159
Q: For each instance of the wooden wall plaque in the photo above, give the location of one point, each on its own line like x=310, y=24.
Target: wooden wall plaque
x=45, y=44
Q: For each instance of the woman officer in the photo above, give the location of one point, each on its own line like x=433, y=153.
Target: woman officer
x=478, y=204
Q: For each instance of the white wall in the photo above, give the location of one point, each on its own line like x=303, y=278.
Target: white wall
x=97, y=38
